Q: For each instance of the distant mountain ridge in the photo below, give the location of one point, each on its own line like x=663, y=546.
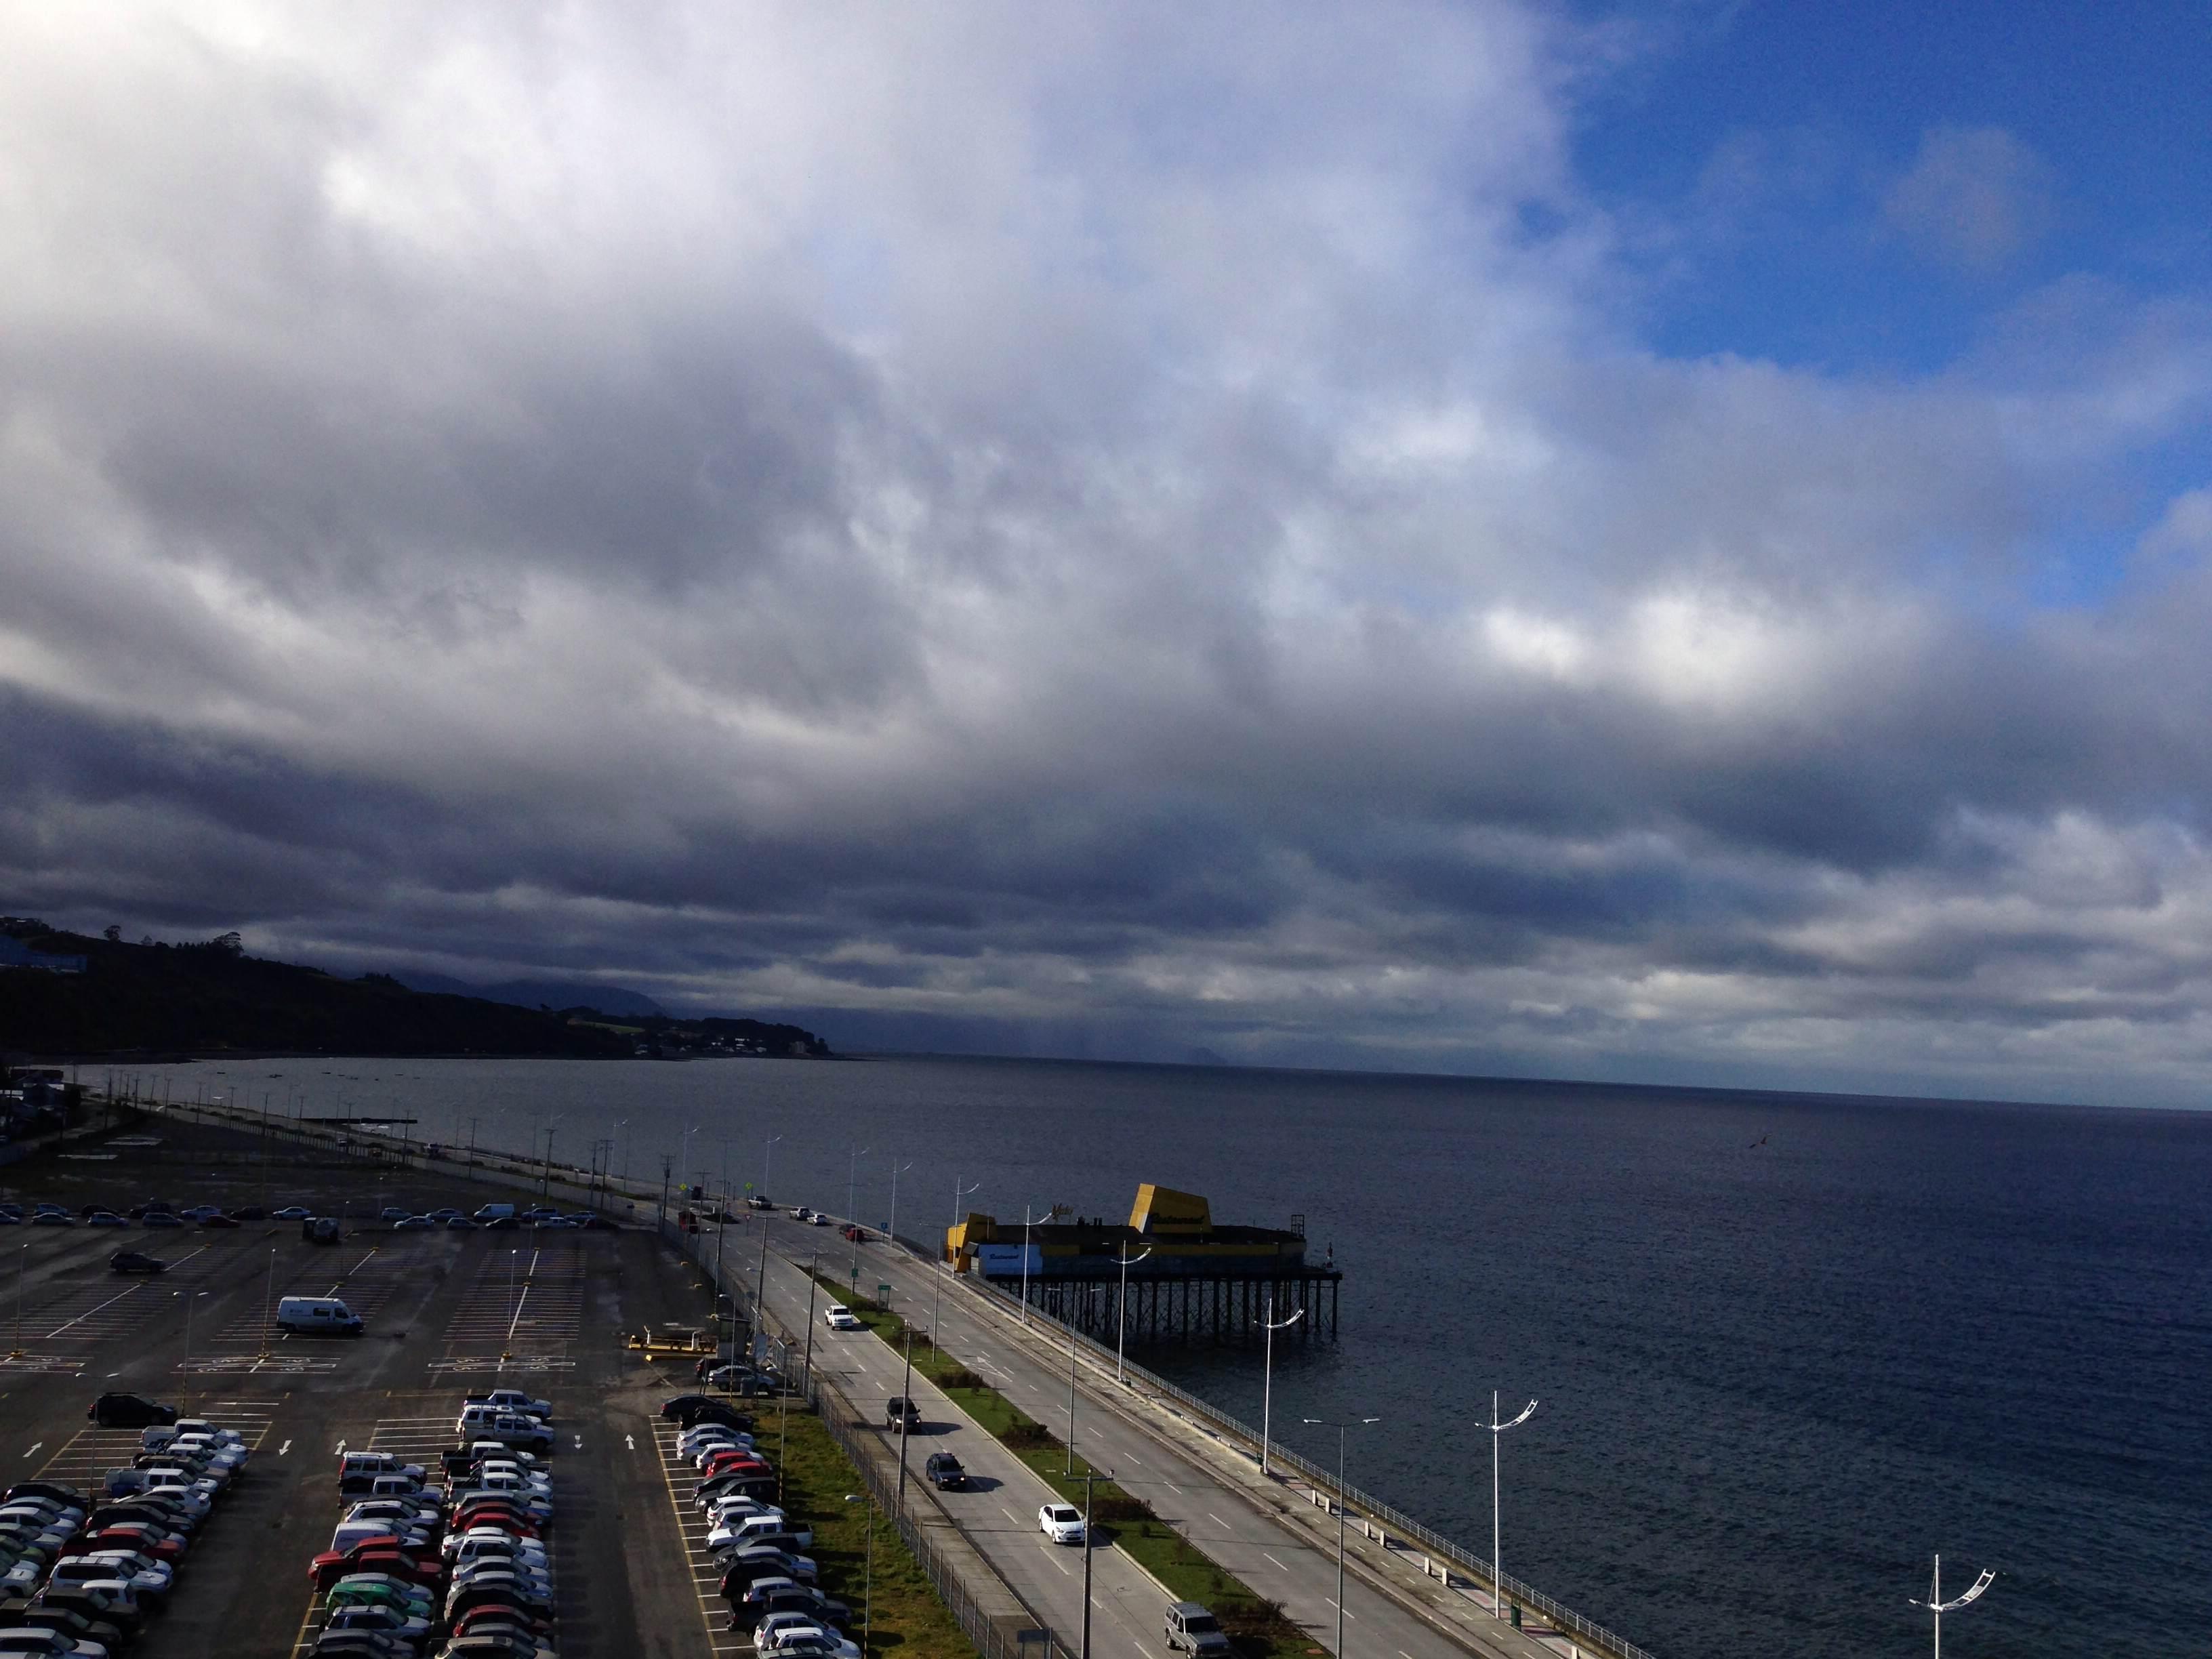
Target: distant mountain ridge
x=63, y=994
x=539, y=993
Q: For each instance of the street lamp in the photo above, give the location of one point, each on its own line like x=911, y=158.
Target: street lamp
x=1122, y=1313
x=945, y=1260
x=1026, y=1224
x=868, y=1578
x=852, y=1216
x=1349, y=1423
x=1938, y=1607
x=891, y=1233
x=1089, y=1478
x=190, y=1299
x=22, y=1261
x=767, y=1162
x=1086, y=1291
x=1270, y=1325
x=1497, y=1571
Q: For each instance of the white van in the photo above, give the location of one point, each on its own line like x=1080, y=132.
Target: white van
x=321, y=1314
x=496, y=1212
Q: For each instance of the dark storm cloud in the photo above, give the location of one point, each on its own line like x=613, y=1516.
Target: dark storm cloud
x=1095, y=534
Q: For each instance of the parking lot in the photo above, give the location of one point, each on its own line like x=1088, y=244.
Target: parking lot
x=446, y=1314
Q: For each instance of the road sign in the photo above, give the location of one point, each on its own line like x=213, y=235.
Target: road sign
x=883, y=1292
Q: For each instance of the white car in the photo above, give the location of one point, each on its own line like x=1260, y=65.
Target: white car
x=1061, y=1522
x=720, y=1433
x=142, y=1572
x=839, y=1317
x=769, y=1632
x=491, y=1542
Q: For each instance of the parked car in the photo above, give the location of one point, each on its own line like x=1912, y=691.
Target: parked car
x=135, y=1261
x=129, y=1411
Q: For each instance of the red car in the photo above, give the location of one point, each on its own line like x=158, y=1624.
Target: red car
x=129, y=1535
x=736, y=1460
x=375, y=1555
x=511, y=1521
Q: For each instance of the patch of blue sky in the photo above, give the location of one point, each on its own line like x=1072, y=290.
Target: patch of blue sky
x=1852, y=186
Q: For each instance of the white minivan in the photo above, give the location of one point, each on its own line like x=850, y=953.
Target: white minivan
x=319, y=1314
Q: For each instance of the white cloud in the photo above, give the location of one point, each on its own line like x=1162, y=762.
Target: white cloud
x=1022, y=512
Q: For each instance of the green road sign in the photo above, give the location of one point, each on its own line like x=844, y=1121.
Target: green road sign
x=883, y=1292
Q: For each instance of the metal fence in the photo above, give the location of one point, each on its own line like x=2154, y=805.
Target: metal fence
x=1212, y=1420
x=1027, y=1636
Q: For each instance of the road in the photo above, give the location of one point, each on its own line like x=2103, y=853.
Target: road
x=1286, y=1562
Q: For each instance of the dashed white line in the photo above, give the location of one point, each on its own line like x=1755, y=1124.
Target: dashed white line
x=1278, y=1565
x=1217, y=1520
x=1347, y=1611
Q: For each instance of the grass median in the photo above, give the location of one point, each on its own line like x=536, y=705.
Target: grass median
x=905, y=1617
x=1257, y=1625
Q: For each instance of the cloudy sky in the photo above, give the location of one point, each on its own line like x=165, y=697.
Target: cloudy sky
x=1665, y=541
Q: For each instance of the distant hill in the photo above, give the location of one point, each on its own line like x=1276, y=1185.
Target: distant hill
x=539, y=993
x=211, y=997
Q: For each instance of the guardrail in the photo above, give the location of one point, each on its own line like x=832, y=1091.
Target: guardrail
x=1585, y=1631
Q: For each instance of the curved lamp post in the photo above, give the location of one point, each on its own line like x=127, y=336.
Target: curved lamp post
x=1122, y=1313
x=1938, y=1607
x=1496, y=1571
x=1270, y=1325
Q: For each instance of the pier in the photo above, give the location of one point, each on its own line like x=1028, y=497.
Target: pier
x=1185, y=1277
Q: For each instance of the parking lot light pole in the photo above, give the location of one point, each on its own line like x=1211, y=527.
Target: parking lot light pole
x=1349, y=1423
x=1937, y=1606
x=190, y=1297
x=1122, y=1313
x=1496, y=1566
x=1270, y=1325
x=268, y=1307
x=23, y=1262
x=868, y=1572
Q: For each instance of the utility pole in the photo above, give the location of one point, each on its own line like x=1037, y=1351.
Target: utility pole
x=1122, y=1332
x=906, y=1427
x=1091, y=1477
x=1352, y=1423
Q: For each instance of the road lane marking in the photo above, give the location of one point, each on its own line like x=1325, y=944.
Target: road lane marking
x=1346, y=1611
x=1003, y=1510
x=281, y=1449
x=1217, y=1520
x=1278, y=1564
x=630, y=1440
x=1172, y=1487
x=35, y=1444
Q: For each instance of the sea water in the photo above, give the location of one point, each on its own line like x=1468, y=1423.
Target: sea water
x=1787, y=1347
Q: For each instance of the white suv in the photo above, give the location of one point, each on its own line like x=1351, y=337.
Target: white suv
x=839, y=1317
